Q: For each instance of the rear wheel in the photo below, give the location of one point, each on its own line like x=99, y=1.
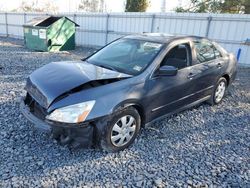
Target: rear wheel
x=121, y=130
x=219, y=92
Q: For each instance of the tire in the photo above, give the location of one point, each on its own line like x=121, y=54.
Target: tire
x=216, y=98
x=111, y=140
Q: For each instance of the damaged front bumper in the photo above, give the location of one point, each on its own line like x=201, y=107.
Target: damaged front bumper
x=81, y=134
x=38, y=123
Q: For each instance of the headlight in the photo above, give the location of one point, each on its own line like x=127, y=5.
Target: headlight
x=72, y=114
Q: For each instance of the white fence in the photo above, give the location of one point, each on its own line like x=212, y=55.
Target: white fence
x=98, y=29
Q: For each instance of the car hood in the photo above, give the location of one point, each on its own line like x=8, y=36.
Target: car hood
x=55, y=79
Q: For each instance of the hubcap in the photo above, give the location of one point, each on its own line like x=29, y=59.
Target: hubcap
x=220, y=91
x=123, y=131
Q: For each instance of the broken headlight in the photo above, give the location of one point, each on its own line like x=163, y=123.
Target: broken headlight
x=72, y=114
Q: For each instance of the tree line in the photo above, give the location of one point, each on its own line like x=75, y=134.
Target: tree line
x=195, y=6
x=217, y=6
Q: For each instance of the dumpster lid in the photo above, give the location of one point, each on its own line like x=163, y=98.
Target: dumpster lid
x=46, y=21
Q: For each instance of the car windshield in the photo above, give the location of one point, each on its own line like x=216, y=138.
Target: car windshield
x=130, y=56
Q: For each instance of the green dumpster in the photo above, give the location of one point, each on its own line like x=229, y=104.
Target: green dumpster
x=50, y=33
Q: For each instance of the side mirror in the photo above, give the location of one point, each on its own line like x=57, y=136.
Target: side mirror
x=167, y=71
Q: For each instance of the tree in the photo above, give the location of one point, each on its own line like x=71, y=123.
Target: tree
x=247, y=7
x=91, y=6
x=35, y=6
x=136, y=5
x=201, y=6
x=239, y=6
x=217, y=6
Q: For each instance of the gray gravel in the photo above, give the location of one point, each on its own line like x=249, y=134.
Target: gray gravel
x=202, y=147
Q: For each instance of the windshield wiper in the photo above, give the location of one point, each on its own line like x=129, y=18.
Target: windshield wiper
x=104, y=66
x=107, y=67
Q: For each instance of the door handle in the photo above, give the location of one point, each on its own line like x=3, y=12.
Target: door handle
x=190, y=75
x=219, y=65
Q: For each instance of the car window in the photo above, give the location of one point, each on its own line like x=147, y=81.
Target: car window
x=217, y=53
x=206, y=51
x=130, y=56
x=121, y=50
x=178, y=56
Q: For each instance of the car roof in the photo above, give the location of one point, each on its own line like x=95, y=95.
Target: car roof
x=162, y=37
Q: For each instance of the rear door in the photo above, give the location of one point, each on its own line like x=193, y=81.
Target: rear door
x=206, y=67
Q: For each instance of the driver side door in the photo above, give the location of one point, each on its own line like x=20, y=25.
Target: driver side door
x=167, y=94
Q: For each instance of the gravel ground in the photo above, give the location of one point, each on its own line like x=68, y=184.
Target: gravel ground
x=202, y=147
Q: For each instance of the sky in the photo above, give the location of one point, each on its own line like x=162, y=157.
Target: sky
x=111, y=5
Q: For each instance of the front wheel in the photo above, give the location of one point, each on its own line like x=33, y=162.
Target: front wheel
x=218, y=92
x=121, y=130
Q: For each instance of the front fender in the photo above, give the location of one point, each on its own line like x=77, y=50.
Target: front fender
x=108, y=99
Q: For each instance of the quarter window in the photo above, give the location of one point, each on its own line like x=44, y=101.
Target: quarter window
x=206, y=51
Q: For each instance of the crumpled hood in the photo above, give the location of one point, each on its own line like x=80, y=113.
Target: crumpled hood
x=54, y=79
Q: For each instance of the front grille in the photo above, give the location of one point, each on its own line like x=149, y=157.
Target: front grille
x=35, y=108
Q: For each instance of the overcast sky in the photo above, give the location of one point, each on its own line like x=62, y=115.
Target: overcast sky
x=111, y=5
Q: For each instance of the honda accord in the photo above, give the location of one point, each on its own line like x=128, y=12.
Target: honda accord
x=105, y=99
